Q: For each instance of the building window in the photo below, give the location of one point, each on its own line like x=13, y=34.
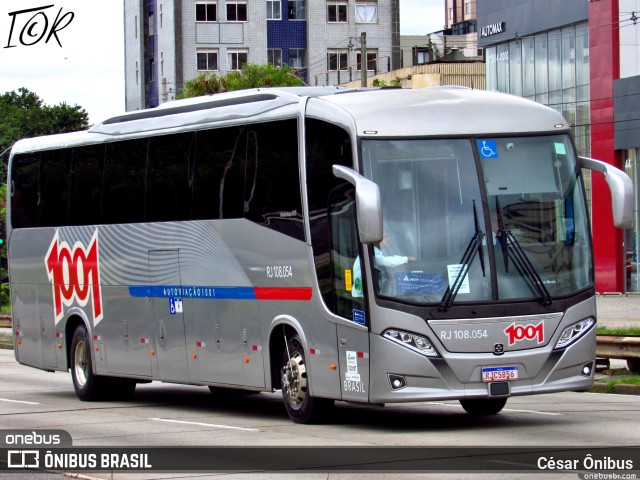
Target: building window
x=337, y=60
x=160, y=16
x=274, y=57
x=367, y=11
x=206, y=12
x=135, y=24
x=236, y=11
x=372, y=56
x=297, y=10
x=296, y=57
x=336, y=12
x=207, y=59
x=152, y=24
x=467, y=8
x=420, y=55
x=451, y=14
x=152, y=67
x=274, y=10
x=237, y=58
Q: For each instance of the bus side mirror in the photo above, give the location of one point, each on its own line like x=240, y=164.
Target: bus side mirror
x=621, y=188
x=368, y=204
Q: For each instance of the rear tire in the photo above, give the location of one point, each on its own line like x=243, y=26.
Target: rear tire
x=301, y=406
x=88, y=386
x=483, y=406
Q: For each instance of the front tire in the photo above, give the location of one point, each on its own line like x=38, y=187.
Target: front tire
x=301, y=406
x=483, y=406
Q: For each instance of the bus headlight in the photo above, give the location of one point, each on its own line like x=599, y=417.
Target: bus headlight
x=412, y=341
x=575, y=331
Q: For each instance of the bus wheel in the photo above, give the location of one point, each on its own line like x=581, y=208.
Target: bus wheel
x=88, y=387
x=483, y=406
x=301, y=406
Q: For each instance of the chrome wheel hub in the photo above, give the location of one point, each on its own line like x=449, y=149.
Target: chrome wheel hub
x=294, y=379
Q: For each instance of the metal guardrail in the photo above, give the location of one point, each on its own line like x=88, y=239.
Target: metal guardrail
x=618, y=346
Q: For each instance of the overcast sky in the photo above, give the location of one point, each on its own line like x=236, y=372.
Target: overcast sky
x=87, y=69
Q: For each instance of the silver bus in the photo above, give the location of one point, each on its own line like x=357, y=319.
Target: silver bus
x=371, y=246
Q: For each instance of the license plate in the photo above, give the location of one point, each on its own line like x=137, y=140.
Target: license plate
x=492, y=374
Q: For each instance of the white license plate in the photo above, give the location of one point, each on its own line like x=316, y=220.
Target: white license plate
x=493, y=374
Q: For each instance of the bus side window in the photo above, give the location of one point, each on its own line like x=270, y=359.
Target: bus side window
x=53, y=191
x=168, y=194
x=124, y=181
x=272, y=181
x=326, y=145
x=218, y=173
x=344, y=251
x=24, y=190
x=85, y=189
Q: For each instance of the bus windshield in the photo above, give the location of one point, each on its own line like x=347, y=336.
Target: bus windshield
x=479, y=220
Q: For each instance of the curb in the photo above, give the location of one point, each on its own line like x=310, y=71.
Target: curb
x=620, y=389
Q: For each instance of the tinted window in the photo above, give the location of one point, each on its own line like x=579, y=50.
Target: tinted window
x=272, y=181
x=124, y=174
x=53, y=197
x=25, y=170
x=169, y=178
x=327, y=145
x=218, y=186
x=85, y=191
x=345, y=260
x=246, y=171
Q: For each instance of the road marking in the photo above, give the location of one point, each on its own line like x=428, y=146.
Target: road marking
x=18, y=401
x=532, y=411
x=504, y=409
x=212, y=425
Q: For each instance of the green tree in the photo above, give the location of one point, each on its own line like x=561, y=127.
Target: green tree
x=251, y=76
x=22, y=115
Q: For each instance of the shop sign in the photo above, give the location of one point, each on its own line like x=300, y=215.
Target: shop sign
x=492, y=29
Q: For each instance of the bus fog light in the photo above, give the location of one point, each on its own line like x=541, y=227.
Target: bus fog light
x=397, y=382
x=587, y=368
x=413, y=341
x=575, y=331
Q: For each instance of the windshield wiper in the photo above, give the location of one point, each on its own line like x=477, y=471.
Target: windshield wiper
x=475, y=246
x=511, y=249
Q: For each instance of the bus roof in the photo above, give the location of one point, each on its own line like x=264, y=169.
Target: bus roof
x=374, y=112
x=443, y=111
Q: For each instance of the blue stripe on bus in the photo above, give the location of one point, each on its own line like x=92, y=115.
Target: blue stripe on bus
x=171, y=291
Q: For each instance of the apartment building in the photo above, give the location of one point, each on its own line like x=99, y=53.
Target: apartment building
x=169, y=42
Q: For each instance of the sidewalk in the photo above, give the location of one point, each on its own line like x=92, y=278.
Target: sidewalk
x=618, y=311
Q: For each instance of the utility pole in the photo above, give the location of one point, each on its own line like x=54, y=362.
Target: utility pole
x=363, y=59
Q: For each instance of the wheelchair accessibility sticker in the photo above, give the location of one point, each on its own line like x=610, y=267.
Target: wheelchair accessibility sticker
x=175, y=305
x=487, y=148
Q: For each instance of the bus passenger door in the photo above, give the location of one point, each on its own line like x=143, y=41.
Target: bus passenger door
x=167, y=320
x=348, y=294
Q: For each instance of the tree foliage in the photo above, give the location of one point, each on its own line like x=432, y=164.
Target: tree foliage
x=23, y=115
x=251, y=76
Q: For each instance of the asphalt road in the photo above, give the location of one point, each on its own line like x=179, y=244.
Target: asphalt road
x=176, y=415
